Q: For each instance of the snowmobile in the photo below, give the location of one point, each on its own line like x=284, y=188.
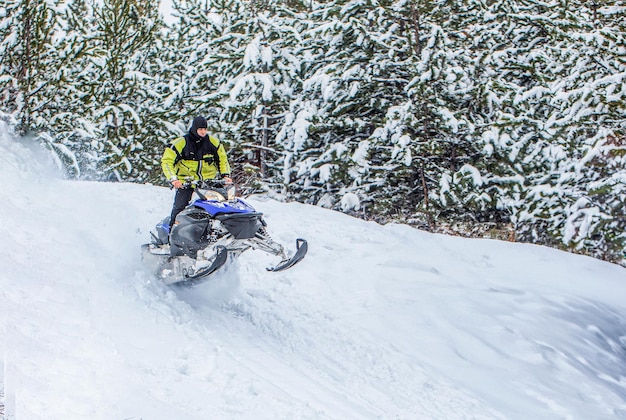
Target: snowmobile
x=211, y=229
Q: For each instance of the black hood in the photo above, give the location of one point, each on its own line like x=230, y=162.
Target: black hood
x=198, y=122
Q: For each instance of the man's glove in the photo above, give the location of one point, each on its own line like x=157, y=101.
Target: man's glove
x=177, y=183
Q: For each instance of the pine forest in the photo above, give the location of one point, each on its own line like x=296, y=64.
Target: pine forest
x=486, y=118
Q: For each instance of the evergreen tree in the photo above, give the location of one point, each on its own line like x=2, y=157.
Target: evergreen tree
x=550, y=93
x=587, y=123
x=122, y=100
x=69, y=132
x=354, y=71
x=191, y=74
x=428, y=135
x=27, y=59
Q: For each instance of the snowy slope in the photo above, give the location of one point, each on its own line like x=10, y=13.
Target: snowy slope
x=378, y=322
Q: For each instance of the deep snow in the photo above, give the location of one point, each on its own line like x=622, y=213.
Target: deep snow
x=378, y=322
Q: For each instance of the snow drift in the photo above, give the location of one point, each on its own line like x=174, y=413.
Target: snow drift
x=377, y=321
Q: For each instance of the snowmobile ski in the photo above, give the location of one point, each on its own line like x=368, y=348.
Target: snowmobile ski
x=201, y=275
x=182, y=270
x=301, y=249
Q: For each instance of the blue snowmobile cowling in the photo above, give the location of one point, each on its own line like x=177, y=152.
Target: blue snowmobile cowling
x=214, y=207
x=214, y=227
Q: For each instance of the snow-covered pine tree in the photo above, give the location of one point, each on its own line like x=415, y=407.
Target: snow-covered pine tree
x=590, y=105
x=158, y=119
x=594, y=221
x=508, y=74
x=354, y=69
x=36, y=57
x=531, y=152
x=554, y=97
x=276, y=53
x=191, y=75
x=427, y=135
x=250, y=90
x=122, y=104
x=27, y=59
x=69, y=132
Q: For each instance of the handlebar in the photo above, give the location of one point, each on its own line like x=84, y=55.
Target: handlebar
x=225, y=190
x=207, y=183
x=212, y=183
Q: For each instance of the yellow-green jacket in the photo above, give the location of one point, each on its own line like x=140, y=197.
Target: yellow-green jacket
x=199, y=160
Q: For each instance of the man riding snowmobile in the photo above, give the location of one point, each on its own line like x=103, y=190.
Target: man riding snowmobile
x=196, y=156
x=198, y=239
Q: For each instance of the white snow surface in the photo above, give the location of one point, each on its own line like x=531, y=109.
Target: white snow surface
x=378, y=322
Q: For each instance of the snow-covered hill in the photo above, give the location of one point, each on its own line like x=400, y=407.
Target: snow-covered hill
x=378, y=322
